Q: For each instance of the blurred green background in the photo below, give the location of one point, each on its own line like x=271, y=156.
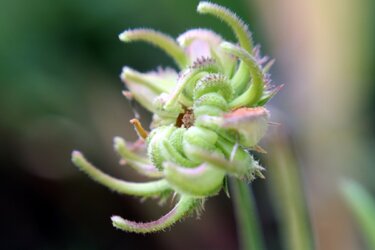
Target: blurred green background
x=60, y=90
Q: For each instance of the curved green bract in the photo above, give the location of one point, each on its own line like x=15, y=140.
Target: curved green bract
x=158, y=39
x=141, y=165
x=239, y=28
x=212, y=104
x=140, y=78
x=201, y=181
x=211, y=95
x=216, y=83
x=155, y=144
x=185, y=205
x=189, y=77
x=173, y=155
x=137, y=189
x=242, y=33
x=252, y=95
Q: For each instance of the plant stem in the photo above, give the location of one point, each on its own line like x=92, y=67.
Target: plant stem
x=248, y=228
x=287, y=195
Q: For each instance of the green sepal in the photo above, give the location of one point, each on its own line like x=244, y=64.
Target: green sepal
x=124, y=187
x=183, y=208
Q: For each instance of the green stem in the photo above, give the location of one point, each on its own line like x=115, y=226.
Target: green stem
x=287, y=194
x=248, y=227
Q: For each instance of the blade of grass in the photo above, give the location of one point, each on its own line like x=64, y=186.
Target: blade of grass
x=287, y=195
x=362, y=206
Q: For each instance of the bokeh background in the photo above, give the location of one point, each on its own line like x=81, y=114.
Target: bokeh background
x=60, y=90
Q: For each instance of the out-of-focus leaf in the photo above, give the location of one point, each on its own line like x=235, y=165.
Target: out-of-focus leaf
x=363, y=207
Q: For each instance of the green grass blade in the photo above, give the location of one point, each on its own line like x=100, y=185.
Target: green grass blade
x=362, y=206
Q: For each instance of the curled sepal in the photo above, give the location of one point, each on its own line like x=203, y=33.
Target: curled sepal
x=185, y=205
x=250, y=123
x=202, y=181
x=211, y=95
x=254, y=92
x=188, y=78
x=213, y=83
x=239, y=28
x=198, y=138
x=138, y=163
x=124, y=187
x=158, y=39
x=145, y=87
x=242, y=33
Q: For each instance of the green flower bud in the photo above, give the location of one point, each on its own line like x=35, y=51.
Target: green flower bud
x=205, y=118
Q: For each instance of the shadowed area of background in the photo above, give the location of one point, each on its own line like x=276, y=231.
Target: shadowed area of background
x=60, y=90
